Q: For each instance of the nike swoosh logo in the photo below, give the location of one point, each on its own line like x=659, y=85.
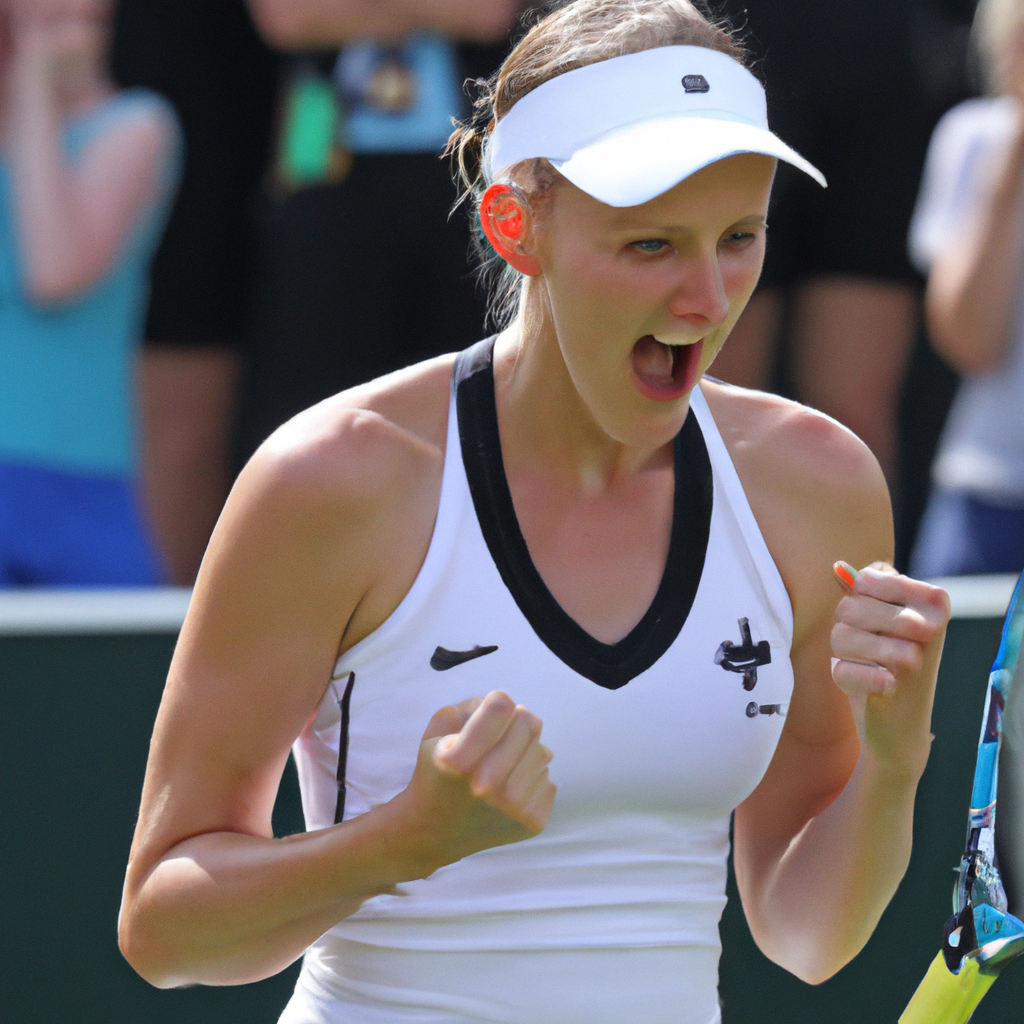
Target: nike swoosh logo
x=443, y=659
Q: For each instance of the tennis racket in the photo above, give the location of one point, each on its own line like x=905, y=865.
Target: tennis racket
x=982, y=936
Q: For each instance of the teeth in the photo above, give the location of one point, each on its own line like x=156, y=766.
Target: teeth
x=674, y=342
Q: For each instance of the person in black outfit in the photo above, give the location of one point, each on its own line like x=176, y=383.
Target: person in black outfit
x=207, y=59
x=849, y=85
x=344, y=293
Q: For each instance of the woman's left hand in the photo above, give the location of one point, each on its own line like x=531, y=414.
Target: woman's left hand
x=887, y=643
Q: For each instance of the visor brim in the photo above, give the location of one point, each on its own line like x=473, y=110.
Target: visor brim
x=638, y=162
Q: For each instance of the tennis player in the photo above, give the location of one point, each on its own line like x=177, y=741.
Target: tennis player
x=567, y=523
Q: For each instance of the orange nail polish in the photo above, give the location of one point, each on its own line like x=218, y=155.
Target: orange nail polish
x=846, y=574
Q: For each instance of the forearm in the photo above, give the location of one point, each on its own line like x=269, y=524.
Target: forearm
x=973, y=294
x=225, y=908
x=324, y=24
x=44, y=211
x=826, y=891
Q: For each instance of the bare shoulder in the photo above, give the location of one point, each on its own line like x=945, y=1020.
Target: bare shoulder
x=780, y=444
x=816, y=490
x=333, y=514
x=322, y=535
x=356, y=445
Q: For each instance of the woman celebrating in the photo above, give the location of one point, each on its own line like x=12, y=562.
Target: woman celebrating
x=565, y=520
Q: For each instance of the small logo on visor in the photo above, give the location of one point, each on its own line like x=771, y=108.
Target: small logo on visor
x=695, y=83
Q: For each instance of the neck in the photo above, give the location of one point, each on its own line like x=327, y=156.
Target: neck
x=545, y=422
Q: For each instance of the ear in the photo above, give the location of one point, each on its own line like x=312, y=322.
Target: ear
x=502, y=211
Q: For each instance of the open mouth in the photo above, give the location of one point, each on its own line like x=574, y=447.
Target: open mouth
x=665, y=372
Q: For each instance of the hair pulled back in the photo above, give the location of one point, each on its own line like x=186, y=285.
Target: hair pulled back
x=572, y=35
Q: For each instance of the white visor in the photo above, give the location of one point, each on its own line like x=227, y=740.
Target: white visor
x=626, y=129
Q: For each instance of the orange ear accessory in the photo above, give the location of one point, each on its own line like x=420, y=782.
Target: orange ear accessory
x=510, y=219
x=501, y=218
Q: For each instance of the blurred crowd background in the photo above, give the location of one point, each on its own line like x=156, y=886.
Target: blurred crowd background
x=215, y=213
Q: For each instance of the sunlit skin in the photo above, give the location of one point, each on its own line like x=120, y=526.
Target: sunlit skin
x=588, y=454
x=329, y=524
x=679, y=267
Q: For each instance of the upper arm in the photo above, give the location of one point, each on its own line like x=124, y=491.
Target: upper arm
x=820, y=497
x=298, y=547
x=118, y=178
x=947, y=188
x=121, y=175
x=962, y=235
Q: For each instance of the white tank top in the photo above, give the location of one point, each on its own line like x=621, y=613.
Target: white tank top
x=611, y=914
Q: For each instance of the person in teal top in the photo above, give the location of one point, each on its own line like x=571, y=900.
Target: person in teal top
x=86, y=175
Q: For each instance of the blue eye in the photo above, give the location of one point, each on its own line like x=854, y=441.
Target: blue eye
x=649, y=245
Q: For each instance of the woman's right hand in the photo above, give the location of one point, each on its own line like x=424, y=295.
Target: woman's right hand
x=481, y=780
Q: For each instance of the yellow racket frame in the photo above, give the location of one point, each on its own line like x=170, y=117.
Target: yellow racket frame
x=945, y=998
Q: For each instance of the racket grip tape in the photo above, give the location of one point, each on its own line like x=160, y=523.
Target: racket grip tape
x=944, y=998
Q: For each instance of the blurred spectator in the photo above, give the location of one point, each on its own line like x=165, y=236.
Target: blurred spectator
x=85, y=178
x=344, y=294
x=207, y=59
x=968, y=234
x=845, y=90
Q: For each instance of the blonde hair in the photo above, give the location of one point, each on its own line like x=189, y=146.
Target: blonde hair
x=996, y=29
x=570, y=36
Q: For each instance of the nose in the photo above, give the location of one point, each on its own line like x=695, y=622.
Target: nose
x=699, y=297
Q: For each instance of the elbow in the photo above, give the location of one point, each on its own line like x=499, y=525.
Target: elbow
x=814, y=973
x=966, y=350
x=45, y=293
x=144, y=951
x=47, y=286
x=65, y=269
x=969, y=342
x=141, y=961
x=812, y=966
x=812, y=955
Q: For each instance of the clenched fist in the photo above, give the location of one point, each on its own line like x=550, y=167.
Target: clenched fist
x=887, y=642
x=481, y=780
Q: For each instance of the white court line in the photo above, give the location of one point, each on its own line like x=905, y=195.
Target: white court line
x=162, y=609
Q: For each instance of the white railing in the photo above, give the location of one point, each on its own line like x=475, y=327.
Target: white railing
x=979, y=597
x=162, y=609
x=126, y=610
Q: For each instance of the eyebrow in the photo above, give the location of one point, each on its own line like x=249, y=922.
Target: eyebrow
x=754, y=220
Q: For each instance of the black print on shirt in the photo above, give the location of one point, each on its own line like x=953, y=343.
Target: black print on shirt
x=744, y=657
x=754, y=709
x=442, y=659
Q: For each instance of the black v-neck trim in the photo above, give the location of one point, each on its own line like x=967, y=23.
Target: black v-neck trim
x=608, y=665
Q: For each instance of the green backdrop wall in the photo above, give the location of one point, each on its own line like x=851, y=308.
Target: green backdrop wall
x=76, y=717
x=74, y=731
